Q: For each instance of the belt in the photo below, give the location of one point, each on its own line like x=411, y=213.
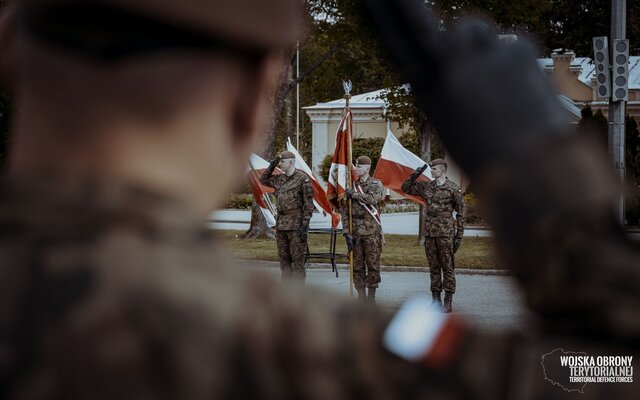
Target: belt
x=432, y=213
x=290, y=212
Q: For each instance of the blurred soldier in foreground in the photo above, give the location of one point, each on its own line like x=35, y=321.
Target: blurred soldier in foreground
x=110, y=288
x=294, y=202
x=443, y=233
x=365, y=239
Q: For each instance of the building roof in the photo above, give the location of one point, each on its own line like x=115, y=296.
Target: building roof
x=588, y=68
x=570, y=107
x=364, y=100
x=587, y=72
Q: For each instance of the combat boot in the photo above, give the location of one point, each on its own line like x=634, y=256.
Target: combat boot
x=362, y=295
x=448, y=297
x=371, y=295
x=437, y=301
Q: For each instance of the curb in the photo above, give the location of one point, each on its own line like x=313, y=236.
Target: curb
x=390, y=268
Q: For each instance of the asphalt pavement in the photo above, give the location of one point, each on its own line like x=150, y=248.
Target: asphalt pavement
x=492, y=302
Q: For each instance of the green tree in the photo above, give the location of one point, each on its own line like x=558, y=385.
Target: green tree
x=552, y=24
x=594, y=125
x=632, y=171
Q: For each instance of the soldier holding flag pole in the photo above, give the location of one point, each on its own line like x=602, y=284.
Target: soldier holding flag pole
x=341, y=173
x=347, y=95
x=364, y=236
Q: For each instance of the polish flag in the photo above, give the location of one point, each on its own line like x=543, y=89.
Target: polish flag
x=257, y=166
x=337, y=185
x=319, y=195
x=396, y=164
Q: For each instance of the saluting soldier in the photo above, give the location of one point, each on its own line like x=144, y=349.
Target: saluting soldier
x=294, y=203
x=443, y=233
x=365, y=239
x=111, y=288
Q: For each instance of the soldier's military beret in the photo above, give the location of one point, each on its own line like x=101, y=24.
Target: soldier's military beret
x=363, y=160
x=257, y=24
x=439, y=161
x=286, y=154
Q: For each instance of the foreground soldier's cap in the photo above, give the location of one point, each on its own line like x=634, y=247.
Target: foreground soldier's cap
x=439, y=161
x=256, y=23
x=286, y=154
x=363, y=160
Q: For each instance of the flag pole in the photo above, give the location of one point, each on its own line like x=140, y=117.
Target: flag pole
x=347, y=95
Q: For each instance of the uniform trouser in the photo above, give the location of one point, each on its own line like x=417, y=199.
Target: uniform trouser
x=366, y=261
x=291, y=251
x=440, y=256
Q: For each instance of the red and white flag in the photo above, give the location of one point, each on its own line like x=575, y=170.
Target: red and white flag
x=319, y=195
x=338, y=178
x=396, y=164
x=257, y=166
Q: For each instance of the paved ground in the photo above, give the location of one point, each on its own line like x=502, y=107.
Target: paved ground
x=489, y=301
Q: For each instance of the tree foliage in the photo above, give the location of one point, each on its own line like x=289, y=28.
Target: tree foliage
x=552, y=24
x=594, y=125
x=632, y=151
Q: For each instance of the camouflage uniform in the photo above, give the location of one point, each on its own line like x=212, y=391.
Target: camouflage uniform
x=367, y=234
x=294, y=202
x=440, y=228
x=117, y=292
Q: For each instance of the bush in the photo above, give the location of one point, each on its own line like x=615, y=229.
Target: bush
x=400, y=206
x=474, y=210
x=240, y=201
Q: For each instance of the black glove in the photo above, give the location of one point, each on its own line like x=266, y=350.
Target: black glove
x=350, y=193
x=418, y=172
x=456, y=244
x=272, y=166
x=469, y=83
x=303, y=231
x=349, y=239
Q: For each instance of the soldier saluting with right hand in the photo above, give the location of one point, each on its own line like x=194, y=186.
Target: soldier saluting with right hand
x=294, y=202
x=443, y=233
